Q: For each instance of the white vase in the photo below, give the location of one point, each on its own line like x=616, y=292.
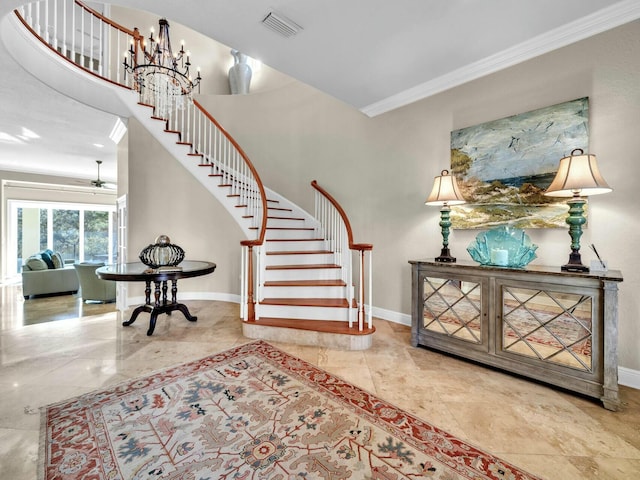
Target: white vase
x=239, y=74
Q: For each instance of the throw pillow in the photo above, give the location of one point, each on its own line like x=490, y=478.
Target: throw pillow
x=35, y=262
x=57, y=260
x=46, y=256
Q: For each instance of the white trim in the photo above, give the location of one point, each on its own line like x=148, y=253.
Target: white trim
x=391, y=316
x=598, y=22
x=629, y=377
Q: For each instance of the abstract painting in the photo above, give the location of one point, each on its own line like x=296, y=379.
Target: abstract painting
x=504, y=166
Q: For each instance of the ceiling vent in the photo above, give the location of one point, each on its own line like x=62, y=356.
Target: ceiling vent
x=281, y=24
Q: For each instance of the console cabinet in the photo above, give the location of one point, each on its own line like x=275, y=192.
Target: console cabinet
x=540, y=322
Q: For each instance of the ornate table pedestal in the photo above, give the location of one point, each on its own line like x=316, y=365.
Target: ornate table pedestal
x=138, y=272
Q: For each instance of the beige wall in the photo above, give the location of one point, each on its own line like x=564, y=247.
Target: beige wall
x=381, y=169
x=163, y=198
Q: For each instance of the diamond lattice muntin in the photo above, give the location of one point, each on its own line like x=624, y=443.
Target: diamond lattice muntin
x=452, y=308
x=554, y=327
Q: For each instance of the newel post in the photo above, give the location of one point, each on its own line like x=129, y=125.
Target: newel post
x=251, y=304
x=362, y=248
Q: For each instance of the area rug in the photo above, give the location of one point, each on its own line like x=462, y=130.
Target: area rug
x=252, y=412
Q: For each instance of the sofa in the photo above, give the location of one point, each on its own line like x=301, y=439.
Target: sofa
x=45, y=273
x=92, y=288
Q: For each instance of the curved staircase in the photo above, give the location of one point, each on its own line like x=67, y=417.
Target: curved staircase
x=299, y=282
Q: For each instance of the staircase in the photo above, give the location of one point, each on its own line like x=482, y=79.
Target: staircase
x=303, y=276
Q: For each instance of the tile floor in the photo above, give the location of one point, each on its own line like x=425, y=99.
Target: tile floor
x=556, y=435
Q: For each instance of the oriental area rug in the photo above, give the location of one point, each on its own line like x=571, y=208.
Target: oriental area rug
x=252, y=412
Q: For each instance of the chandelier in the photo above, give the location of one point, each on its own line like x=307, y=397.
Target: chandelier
x=160, y=75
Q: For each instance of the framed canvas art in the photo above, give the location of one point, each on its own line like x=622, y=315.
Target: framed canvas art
x=504, y=166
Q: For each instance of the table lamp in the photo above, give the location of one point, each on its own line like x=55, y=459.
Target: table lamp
x=578, y=176
x=445, y=192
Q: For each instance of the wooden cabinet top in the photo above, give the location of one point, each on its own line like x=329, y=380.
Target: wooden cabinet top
x=465, y=266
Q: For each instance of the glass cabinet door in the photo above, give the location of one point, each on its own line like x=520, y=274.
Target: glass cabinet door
x=453, y=308
x=550, y=326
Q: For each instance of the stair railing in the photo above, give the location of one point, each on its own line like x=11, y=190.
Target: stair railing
x=81, y=35
x=335, y=229
x=94, y=43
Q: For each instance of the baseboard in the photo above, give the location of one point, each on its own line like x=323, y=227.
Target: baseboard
x=391, y=316
x=629, y=377
x=626, y=376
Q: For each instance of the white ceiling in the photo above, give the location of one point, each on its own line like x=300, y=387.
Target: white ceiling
x=375, y=55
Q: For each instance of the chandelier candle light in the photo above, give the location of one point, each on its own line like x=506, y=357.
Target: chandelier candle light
x=445, y=192
x=578, y=176
x=159, y=72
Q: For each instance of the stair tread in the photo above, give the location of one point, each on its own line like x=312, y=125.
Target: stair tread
x=302, y=267
x=307, y=302
x=290, y=228
x=304, y=283
x=324, y=326
x=272, y=217
x=300, y=252
x=294, y=240
x=281, y=209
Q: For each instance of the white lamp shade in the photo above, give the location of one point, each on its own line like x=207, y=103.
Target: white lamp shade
x=445, y=191
x=578, y=175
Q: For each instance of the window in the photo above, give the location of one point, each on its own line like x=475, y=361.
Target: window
x=96, y=236
x=66, y=234
x=80, y=232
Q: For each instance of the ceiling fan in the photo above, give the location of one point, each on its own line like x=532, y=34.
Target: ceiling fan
x=101, y=183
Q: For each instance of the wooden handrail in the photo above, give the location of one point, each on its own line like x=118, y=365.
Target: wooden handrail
x=263, y=196
x=249, y=244
x=345, y=219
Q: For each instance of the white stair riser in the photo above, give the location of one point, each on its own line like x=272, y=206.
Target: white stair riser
x=302, y=274
x=304, y=292
x=297, y=234
x=284, y=246
x=300, y=259
x=305, y=313
x=285, y=223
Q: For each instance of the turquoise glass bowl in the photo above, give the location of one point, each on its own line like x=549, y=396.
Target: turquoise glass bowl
x=503, y=247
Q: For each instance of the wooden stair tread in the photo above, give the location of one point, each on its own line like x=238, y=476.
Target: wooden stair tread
x=300, y=252
x=271, y=217
x=302, y=267
x=323, y=326
x=280, y=209
x=307, y=302
x=294, y=240
x=290, y=228
x=305, y=283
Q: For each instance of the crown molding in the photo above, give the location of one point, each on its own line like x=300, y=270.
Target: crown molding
x=619, y=14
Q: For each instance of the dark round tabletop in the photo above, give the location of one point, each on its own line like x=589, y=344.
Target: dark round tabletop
x=139, y=272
